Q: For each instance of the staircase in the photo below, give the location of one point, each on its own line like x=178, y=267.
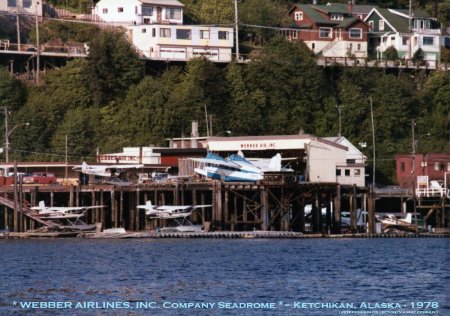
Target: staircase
x=34, y=215
x=329, y=46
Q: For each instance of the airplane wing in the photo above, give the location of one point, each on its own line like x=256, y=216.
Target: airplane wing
x=164, y=215
x=171, y=208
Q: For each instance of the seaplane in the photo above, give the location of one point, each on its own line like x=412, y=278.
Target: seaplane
x=69, y=217
x=107, y=173
x=218, y=168
x=178, y=213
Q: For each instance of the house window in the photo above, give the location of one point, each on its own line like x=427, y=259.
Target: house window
x=402, y=166
x=313, y=46
x=357, y=172
x=147, y=11
x=223, y=35
x=164, y=32
x=338, y=172
x=381, y=25
x=120, y=10
x=405, y=40
x=135, y=9
x=204, y=34
x=428, y=40
x=371, y=25
x=422, y=24
x=325, y=32
x=144, y=30
x=337, y=17
x=347, y=172
x=173, y=14
x=153, y=32
x=359, y=46
x=26, y=3
x=355, y=33
x=294, y=34
x=183, y=34
x=105, y=11
x=11, y=3
x=146, y=21
x=298, y=15
x=436, y=166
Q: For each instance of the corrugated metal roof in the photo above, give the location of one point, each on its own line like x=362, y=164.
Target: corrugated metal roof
x=163, y=2
x=313, y=14
x=347, y=22
x=333, y=8
x=399, y=23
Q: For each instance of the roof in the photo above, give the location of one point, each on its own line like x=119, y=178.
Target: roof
x=313, y=14
x=415, y=13
x=362, y=8
x=347, y=22
x=399, y=23
x=163, y=2
x=333, y=8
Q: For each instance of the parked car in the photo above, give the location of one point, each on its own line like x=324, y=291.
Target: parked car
x=40, y=178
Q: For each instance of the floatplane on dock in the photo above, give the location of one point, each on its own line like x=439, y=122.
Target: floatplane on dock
x=69, y=218
x=178, y=213
x=111, y=174
x=237, y=168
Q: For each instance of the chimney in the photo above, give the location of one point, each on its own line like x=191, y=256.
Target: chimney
x=350, y=7
x=194, y=133
x=434, y=9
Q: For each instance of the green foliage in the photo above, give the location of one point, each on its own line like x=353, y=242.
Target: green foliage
x=391, y=53
x=419, y=55
x=209, y=11
x=112, y=67
x=64, y=32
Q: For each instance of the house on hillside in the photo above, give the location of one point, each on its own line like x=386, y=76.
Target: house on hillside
x=182, y=42
x=30, y=7
x=391, y=28
x=136, y=12
x=330, y=30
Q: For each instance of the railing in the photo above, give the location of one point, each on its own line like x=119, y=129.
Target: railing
x=430, y=192
x=75, y=51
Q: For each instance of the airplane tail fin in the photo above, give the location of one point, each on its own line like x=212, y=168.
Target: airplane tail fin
x=148, y=207
x=42, y=205
x=275, y=163
x=84, y=166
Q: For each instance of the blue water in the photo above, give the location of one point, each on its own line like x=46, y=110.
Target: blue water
x=168, y=272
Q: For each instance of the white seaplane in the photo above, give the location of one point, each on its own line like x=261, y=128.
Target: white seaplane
x=178, y=213
x=112, y=174
x=68, y=217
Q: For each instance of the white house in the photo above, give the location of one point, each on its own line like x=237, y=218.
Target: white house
x=30, y=7
x=390, y=28
x=182, y=42
x=135, y=12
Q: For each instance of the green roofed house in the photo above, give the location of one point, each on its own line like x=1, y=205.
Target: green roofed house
x=391, y=28
x=330, y=30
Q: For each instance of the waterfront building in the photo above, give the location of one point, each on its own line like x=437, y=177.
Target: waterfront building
x=26, y=7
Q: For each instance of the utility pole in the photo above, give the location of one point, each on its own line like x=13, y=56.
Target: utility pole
x=236, y=25
x=6, y=135
x=18, y=25
x=207, y=122
x=410, y=30
x=339, y=108
x=373, y=142
x=413, y=171
x=37, y=44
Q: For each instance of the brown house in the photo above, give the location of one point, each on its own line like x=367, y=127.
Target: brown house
x=330, y=30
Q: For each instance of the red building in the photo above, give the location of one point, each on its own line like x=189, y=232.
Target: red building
x=434, y=166
x=330, y=30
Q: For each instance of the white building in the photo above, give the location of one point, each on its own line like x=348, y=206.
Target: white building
x=182, y=42
x=333, y=160
x=130, y=155
x=29, y=7
x=135, y=12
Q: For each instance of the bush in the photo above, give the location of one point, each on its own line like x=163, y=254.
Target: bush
x=391, y=53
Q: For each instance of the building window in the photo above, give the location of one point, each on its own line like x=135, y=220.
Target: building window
x=11, y=3
x=144, y=30
x=223, y=35
x=428, y=40
x=120, y=10
x=359, y=46
x=153, y=32
x=294, y=34
x=105, y=11
x=402, y=166
x=147, y=11
x=173, y=14
x=371, y=25
x=313, y=46
x=405, y=40
x=357, y=172
x=347, y=172
x=204, y=34
x=26, y=3
x=164, y=32
x=338, y=172
x=184, y=34
x=422, y=24
x=325, y=32
x=146, y=21
x=355, y=33
x=381, y=25
x=436, y=166
x=298, y=15
x=337, y=17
